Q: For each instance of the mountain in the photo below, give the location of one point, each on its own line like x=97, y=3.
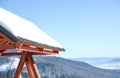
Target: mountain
x=56, y=67
x=102, y=62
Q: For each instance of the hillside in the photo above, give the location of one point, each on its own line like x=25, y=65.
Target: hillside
x=101, y=62
x=55, y=67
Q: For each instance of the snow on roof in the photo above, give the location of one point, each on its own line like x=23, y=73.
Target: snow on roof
x=25, y=29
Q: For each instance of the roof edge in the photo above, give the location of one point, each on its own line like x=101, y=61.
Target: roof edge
x=7, y=33
x=33, y=42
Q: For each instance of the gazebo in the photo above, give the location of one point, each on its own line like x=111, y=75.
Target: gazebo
x=21, y=37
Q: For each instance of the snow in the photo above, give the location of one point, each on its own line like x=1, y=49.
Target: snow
x=4, y=67
x=110, y=66
x=10, y=65
x=25, y=29
x=15, y=62
x=102, y=62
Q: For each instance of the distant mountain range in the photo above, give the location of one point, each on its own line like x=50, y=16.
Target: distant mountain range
x=55, y=67
x=102, y=62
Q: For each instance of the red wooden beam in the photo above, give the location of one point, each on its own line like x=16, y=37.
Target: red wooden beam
x=6, y=38
x=11, y=54
x=36, y=45
x=33, y=65
x=3, y=47
x=20, y=65
x=29, y=69
x=17, y=54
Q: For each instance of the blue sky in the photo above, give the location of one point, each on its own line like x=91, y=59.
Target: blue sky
x=85, y=28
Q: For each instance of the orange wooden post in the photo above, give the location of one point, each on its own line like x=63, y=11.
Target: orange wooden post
x=20, y=65
x=29, y=69
x=34, y=67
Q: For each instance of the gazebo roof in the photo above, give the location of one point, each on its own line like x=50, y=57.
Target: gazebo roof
x=17, y=28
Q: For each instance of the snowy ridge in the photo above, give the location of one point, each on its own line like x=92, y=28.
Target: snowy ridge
x=110, y=66
x=55, y=67
x=104, y=63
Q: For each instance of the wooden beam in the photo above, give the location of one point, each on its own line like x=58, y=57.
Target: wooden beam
x=3, y=47
x=5, y=37
x=1, y=52
x=33, y=65
x=42, y=54
x=29, y=69
x=11, y=54
x=30, y=49
x=20, y=65
x=36, y=45
x=18, y=54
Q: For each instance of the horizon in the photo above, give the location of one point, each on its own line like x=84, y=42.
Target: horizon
x=83, y=28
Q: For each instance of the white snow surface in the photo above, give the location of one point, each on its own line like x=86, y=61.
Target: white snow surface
x=10, y=65
x=24, y=28
x=110, y=66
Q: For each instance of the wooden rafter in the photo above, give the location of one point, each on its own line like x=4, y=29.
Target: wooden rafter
x=6, y=43
x=6, y=38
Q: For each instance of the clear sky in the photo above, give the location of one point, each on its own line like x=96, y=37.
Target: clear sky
x=85, y=28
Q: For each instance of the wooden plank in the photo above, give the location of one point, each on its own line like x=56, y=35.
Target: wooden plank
x=11, y=54
x=3, y=47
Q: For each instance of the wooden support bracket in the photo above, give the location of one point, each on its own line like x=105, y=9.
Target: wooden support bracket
x=20, y=65
x=27, y=58
x=29, y=68
x=34, y=67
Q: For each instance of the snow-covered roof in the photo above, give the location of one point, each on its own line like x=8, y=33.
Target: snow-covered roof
x=24, y=29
